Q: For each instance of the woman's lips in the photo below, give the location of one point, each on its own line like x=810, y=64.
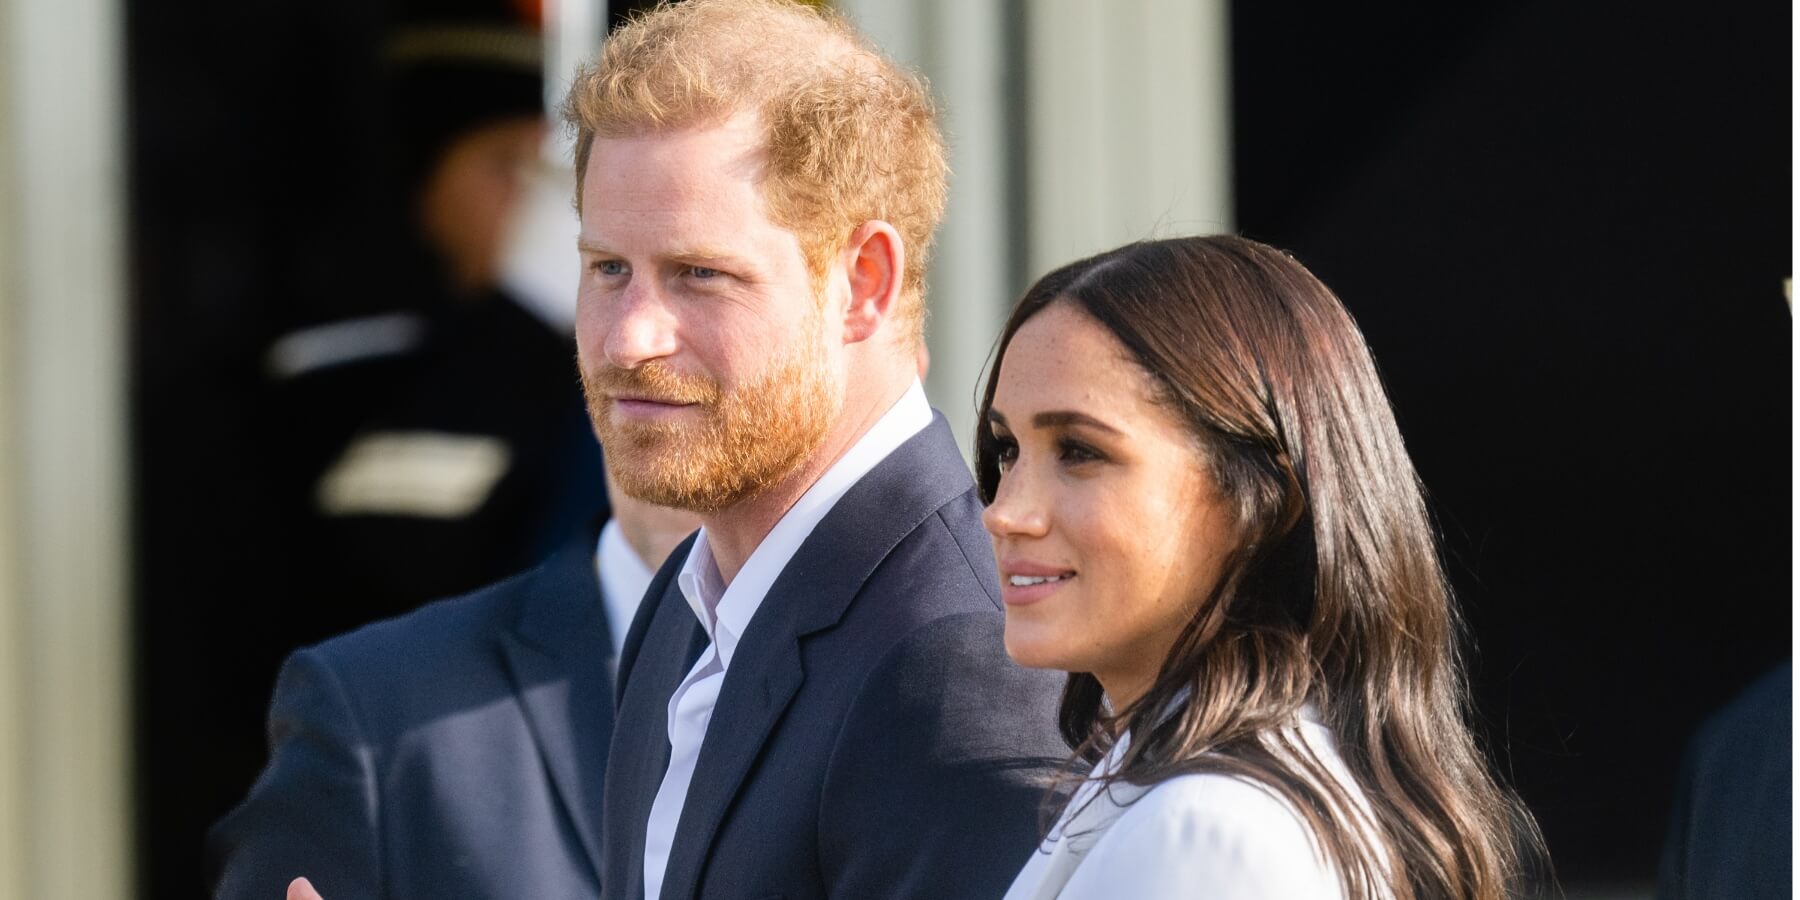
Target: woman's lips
x=1022, y=583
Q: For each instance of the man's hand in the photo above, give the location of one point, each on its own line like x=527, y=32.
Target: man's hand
x=301, y=889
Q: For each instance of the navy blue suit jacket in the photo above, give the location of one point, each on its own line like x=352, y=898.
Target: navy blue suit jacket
x=455, y=751
x=1732, y=831
x=871, y=737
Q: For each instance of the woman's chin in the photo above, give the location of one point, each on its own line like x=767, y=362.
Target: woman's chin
x=1030, y=647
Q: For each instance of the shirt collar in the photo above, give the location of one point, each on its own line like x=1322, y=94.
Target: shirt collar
x=725, y=610
x=623, y=580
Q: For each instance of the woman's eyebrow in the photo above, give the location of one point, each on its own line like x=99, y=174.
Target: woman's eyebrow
x=1066, y=417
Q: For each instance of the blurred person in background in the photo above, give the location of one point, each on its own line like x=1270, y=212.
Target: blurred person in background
x=455, y=751
x=1731, y=833
x=423, y=439
x=438, y=441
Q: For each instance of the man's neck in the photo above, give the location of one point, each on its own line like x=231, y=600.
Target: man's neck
x=735, y=532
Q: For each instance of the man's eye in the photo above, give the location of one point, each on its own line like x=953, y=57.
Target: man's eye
x=610, y=267
x=703, y=272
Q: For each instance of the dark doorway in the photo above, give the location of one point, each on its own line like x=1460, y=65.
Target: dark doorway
x=1565, y=230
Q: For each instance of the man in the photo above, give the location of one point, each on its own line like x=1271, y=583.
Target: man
x=455, y=751
x=814, y=700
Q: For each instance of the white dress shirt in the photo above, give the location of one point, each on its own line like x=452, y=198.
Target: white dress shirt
x=1214, y=836
x=725, y=611
x=623, y=579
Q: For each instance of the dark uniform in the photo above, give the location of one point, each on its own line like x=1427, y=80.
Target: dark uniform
x=399, y=442
x=472, y=459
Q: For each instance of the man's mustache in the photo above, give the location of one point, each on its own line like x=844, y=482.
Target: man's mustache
x=653, y=381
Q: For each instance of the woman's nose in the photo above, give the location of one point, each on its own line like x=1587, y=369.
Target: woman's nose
x=1016, y=511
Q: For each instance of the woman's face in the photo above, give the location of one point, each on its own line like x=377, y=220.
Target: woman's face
x=1108, y=530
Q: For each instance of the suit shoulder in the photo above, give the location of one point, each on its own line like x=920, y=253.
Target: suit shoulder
x=1228, y=824
x=943, y=567
x=426, y=634
x=403, y=672
x=951, y=679
x=1235, y=834
x=1209, y=801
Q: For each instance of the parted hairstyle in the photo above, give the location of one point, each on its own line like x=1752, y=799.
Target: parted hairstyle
x=1334, y=594
x=849, y=135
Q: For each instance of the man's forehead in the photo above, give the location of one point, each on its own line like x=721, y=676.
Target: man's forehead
x=736, y=147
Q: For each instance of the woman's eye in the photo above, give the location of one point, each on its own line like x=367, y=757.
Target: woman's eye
x=1006, y=452
x=1075, y=452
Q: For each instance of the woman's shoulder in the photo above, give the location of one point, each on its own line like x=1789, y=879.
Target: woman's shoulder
x=1221, y=810
x=1235, y=836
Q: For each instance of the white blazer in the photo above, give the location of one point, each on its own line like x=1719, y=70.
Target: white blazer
x=1216, y=837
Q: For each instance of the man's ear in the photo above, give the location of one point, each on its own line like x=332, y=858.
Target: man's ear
x=874, y=259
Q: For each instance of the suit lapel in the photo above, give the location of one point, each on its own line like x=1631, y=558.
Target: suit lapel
x=1093, y=815
x=748, y=708
x=559, y=658
x=664, y=641
x=812, y=593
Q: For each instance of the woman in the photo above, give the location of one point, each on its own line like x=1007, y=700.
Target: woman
x=1203, y=511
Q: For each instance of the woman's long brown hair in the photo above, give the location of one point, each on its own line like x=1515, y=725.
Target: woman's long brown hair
x=1334, y=594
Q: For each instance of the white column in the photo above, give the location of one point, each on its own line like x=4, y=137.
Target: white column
x=15, y=816
x=1129, y=134
x=539, y=264
x=958, y=45
x=65, y=793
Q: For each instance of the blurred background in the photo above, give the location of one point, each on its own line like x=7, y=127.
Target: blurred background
x=284, y=299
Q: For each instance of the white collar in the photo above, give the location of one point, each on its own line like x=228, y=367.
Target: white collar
x=725, y=610
x=623, y=580
x=1309, y=725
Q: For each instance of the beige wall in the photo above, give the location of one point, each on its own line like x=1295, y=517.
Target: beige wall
x=64, y=784
x=1129, y=124
x=1126, y=135
x=13, y=816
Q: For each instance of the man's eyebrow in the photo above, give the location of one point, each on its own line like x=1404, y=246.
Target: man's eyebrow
x=689, y=254
x=703, y=254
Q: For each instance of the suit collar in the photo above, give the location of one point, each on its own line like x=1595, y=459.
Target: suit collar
x=812, y=593
x=1090, y=813
x=560, y=603
x=560, y=657
x=725, y=610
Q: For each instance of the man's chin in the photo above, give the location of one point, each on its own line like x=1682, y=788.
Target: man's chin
x=701, y=496
x=694, y=477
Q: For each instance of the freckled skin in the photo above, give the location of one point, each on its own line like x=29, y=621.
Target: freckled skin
x=1126, y=505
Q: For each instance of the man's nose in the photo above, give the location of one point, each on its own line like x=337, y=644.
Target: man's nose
x=639, y=327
